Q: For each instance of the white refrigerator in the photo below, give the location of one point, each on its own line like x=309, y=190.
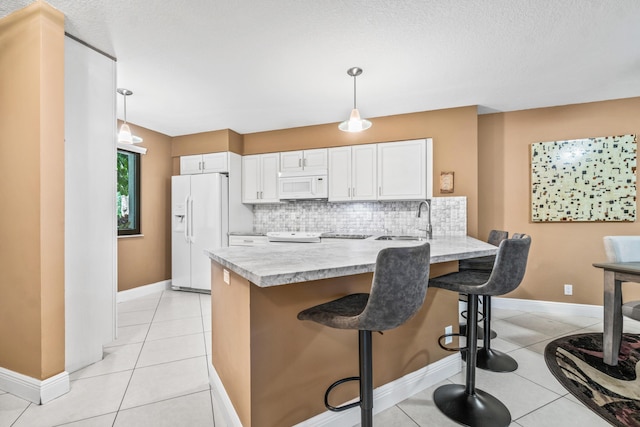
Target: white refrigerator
x=199, y=221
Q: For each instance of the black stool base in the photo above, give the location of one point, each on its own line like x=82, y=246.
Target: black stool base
x=478, y=410
x=495, y=361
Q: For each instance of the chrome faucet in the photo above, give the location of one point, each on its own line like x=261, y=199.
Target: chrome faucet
x=428, y=230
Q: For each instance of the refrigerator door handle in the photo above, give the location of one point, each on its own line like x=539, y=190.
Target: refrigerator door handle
x=191, y=220
x=186, y=219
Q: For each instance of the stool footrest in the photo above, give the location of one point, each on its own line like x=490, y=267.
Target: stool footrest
x=452, y=349
x=343, y=407
x=463, y=314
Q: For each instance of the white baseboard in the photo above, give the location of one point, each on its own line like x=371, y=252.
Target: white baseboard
x=143, y=291
x=33, y=390
x=391, y=393
x=384, y=396
x=220, y=394
x=550, y=307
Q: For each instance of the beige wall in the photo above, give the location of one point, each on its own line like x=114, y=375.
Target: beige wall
x=32, y=172
x=202, y=143
x=454, y=132
x=560, y=252
x=147, y=259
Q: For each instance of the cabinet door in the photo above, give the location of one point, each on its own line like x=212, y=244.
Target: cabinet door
x=215, y=162
x=190, y=165
x=291, y=161
x=315, y=159
x=270, y=165
x=339, y=174
x=402, y=173
x=363, y=175
x=251, y=178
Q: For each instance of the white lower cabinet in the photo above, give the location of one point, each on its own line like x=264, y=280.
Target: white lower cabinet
x=260, y=178
x=352, y=173
x=248, y=240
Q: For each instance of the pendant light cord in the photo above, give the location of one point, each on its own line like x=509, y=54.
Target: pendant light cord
x=125, y=108
x=354, y=92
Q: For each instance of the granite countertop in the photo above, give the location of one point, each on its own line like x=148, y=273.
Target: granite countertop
x=284, y=263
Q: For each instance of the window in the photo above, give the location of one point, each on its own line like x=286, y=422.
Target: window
x=128, y=193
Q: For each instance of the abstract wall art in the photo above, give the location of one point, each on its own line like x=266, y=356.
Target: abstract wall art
x=590, y=179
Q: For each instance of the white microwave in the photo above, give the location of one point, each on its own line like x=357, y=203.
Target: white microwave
x=303, y=185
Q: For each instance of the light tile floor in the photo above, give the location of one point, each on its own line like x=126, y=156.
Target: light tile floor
x=156, y=374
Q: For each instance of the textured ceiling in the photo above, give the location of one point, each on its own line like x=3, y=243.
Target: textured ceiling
x=250, y=65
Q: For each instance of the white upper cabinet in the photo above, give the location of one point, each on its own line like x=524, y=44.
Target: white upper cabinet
x=339, y=174
x=204, y=163
x=190, y=164
x=215, y=162
x=260, y=178
x=352, y=173
x=293, y=161
x=402, y=170
x=363, y=173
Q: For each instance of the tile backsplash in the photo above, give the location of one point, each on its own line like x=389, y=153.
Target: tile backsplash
x=448, y=217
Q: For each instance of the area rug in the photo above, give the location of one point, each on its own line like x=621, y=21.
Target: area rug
x=613, y=392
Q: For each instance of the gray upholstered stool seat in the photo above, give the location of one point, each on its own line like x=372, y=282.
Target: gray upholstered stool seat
x=398, y=291
x=340, y=313
x=464, y=403
x=484, y=264
x=478, y=263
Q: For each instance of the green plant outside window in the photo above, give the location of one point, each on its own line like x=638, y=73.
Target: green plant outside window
x=128, y=193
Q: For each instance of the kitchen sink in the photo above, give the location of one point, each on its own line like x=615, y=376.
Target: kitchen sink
x=415, y=238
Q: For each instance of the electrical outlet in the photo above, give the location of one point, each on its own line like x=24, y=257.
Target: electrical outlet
x=448, y=330
x=568, y=289
x=225, y=275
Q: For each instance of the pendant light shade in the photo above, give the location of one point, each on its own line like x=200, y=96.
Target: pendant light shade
x=124, y=135
x=355, y=122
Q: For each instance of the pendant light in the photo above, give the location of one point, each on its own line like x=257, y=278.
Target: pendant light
x=124, y=135
x=355, y=123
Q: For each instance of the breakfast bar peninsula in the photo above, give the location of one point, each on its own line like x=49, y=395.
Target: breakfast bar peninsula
x=274, y=369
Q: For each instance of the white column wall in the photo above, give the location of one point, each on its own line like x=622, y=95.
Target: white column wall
x=90, y=217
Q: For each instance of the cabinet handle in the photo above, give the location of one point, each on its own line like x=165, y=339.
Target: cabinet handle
x=299, y=163
x=353, y=192
x=200, y=165
x=261, y=195
x=257, y=194
x=380, y=191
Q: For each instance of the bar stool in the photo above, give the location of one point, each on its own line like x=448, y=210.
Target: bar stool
x=398, y=291
x=484, y=263
x=488, y=358
x=464, y=403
